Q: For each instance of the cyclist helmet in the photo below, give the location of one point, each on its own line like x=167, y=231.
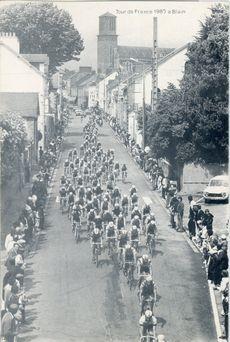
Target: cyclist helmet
x=111, y=224
x=123, y=231
x=70, y=193
x=134, y=227
x=149, y=279
x=152, y=221
x=133, y=187
x=62, y=188
x=66, y=160
x=117, y=205
x=74, y=207
x=145, y=257
x=120, y=215
x=125, y=196
x=223, y=237
x=136, y=217
x=128, y=246
x=148, y=313
x=91, y=210
x=96, y=231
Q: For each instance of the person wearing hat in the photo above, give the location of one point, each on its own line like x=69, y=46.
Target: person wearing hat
x=10, y=261
x=9, y=325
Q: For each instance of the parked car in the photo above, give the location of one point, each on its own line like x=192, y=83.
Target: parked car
x=217, y=189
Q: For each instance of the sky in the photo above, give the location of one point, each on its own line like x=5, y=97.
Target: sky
x=134, y=27
x=134, y=23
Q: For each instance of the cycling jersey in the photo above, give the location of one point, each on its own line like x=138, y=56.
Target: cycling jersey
x=151, y=229
x=110, y=232
x=76, y=215
x=66, y=164
x=105, y=206
x=117, y=211
x=124, y=202
x=116, y=166
x=89, y=206
x=123, y=240
x=107, y=217
x=120, y=223
x=145, y=266
x=71, y=199
x=129, y=255
x=132, y=191
x=75, y=173
x=96, y=237
x=91, y=216
x=124, y=168
x=81, y=192
x=98, y=223
x=134, y=198
x=89, y=195
x=62, y=193
x=136, y=222
x=147, y=289
x=80, y=181
x=134, y=234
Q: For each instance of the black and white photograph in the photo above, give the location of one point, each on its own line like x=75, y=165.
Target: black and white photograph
x=114, y=154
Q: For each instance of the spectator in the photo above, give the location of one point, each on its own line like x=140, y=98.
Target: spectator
x=9, y=325
x=208, y=221
x=191, y=222
x=173, y=207
x=170, y=194
x=180, y=214
x=165, y=186
x=225, y=306
x=212, y=263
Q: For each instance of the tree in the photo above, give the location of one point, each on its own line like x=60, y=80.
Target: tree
x=204, y=89
x=168, y=129
x=13, y=135
x=43, y=28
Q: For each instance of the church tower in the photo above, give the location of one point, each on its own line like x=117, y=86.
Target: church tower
x=106, y=43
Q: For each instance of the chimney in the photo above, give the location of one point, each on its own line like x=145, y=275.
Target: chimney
x=11, y=40
x=85, y=69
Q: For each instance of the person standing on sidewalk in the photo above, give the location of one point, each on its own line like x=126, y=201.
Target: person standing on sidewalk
x=173, y=210
x=180, y=214
x=191, y=221
x=9, y=324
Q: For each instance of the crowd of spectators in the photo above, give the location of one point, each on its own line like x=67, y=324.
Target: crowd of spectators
x=200, y=222
x=19, y=241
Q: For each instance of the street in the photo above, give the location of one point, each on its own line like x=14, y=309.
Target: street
x=72, y=300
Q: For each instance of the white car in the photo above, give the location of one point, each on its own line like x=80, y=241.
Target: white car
x=217, y=189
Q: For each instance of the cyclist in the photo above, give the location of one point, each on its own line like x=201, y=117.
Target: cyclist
x=136, y=212
x=125, y=204
x=63, y=180
x=124, y=170
x=71, y=167
x=110, y=234
x=70, y=202
x=117, y=210
x=116, y=169
x=98, y=222
x=151, y=231
x=75, y=174
x=96, y=238
x=89, y=194
x=81, y=192
x=79, y=181
x=148, y=324
x=115, y=196
x=136, y=222
x=120, y=222
x=63, y=196
x=66, y=167
x=109, y=185
x=129, y=257
x=144, y=267
x=76, y=217
x=96, y=204
x=134, y=236
x=146, y=211
x=107, y=217
x=75, y=153
x=133, y=190
x=134, y=200
x=147, y=291
x=90, y=219
x=70, y=155
x=123, y=238
x=105, y=205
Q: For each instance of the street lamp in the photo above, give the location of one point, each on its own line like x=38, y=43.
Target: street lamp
x=143, y=100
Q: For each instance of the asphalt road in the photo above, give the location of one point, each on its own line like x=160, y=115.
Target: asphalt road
x=72, y=300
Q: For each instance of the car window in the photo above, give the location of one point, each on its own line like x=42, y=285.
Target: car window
x=218, y=182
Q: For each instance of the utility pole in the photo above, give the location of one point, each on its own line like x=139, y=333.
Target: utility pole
x=154, y=67
x=144, y=116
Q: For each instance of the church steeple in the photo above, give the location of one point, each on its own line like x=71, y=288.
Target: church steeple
x=106, y=43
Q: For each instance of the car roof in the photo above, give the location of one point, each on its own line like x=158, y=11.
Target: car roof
x=224, y=177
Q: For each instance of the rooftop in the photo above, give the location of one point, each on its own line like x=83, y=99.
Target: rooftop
x=138, y=52
x=36, y=57
x=107, y=14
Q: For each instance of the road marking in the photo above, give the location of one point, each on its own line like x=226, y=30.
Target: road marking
x=147, y=200
x=215, y=311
